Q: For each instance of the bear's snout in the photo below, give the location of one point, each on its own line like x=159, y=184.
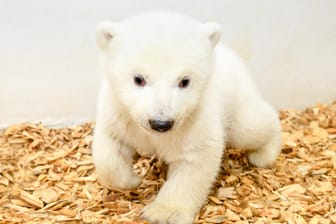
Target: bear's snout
x=161, y=126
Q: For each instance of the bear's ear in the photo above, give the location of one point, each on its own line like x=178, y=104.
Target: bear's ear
x=105, y=32
x=213, y=32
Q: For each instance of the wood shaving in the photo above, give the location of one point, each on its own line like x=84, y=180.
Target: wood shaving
x=47, y=176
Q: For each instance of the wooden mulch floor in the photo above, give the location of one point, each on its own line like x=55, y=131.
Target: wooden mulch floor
x=47, y=176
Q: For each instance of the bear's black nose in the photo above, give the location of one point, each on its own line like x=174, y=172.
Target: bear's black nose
x=161, y=126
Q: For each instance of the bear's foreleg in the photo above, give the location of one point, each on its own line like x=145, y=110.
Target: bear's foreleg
x=113, y=162
x=187, y=187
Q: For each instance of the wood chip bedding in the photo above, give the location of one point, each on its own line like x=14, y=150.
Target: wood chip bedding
x=47, y=176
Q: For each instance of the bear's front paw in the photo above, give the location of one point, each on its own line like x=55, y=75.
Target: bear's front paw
x=126, y=181
x=160, y=213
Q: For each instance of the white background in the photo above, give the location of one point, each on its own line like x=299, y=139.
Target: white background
x=48, y=62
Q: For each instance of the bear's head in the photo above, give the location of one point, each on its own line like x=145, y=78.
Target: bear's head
x=158, y=65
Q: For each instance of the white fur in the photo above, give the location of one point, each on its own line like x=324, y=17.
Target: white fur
x=219, y=107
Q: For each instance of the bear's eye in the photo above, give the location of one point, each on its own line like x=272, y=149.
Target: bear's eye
x=184, y=83
x=139, y=80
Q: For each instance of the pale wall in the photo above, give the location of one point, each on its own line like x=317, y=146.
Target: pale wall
x=48, y=61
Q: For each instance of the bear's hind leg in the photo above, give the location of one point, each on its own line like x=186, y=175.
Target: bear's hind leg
x=255, y=127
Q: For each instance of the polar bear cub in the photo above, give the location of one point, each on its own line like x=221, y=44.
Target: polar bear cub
x=172, y=89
